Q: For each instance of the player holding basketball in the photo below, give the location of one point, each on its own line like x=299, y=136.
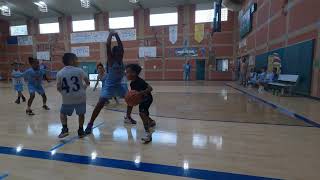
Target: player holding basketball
x=35, y=75
x=17, y=81
x=112, y=86
x=144, y=89
x=70, y=83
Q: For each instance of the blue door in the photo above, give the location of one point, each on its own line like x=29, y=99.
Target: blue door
x=200, y=64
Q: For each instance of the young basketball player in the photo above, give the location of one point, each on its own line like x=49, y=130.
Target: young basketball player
x=138, y=84
x=102, y=75
x=112, y=86
x=34, y=75
x=70, y=84
x=17, y=80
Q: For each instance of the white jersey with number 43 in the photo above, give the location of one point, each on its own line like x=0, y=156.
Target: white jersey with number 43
x=70, y=79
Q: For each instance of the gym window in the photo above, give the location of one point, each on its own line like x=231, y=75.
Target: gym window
x=163, y=16
x=121, y=19
x=18, y=30
x=83, y=25
x=47, y=28
x=207, y=15
x=222, y=65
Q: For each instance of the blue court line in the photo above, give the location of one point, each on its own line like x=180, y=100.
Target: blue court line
x=279, y=108
x=71, y=139
x=3, y=176
x=212, y=120
x=129, y=165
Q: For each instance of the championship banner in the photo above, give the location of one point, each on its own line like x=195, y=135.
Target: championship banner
x=199, y=32
x=173, y=34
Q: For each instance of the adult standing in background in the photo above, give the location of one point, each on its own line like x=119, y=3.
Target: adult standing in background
x=186, y=71
x=243, y=71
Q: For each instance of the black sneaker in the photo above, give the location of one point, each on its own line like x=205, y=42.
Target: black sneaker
x=89, y=129
x=129, y=120
x=81, y=133
x=30, y=112
x=17, y=101
x=45, y=107
x=23, y=99
x=64, y=133
x=147, y=138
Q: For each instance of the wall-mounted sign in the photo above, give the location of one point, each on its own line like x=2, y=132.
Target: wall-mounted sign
x=82, y=51
x=89, y=37
x=25, y=40
x=127, y=34
x=147, y=52
x=43, y=55
x=186, y=52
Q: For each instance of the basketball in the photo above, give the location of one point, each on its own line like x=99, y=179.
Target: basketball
x=133, y=98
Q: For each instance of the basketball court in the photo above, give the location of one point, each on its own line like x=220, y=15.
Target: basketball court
x=208, y=127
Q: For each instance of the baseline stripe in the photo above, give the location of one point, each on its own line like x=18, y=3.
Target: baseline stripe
x=3, y=176
x=129, y=165
x=279, y=108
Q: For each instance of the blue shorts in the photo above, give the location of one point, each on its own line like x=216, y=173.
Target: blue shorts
x=68, y=109
x=34, y=89
x=18, y=87
x=113, y=91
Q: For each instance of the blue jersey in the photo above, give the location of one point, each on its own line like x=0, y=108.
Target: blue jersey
x=34, y=77
x=17, y=77
x=115, y=74
x=111, y=83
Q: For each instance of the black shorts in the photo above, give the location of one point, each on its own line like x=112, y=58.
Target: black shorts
x=145, y=104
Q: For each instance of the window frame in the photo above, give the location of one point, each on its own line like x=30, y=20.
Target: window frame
x=94, y=25
x=212, y=10
x=18, y=34
x=222, y=59
x=164, y=24
x=126, y=27
x=49, y=32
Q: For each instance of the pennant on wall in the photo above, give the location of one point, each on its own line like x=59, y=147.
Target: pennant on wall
x=173, y=34
x=199, y=32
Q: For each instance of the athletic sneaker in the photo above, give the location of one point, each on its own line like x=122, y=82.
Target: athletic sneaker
x=17, y=101
x=81, y=133
x=129, y=120
x=23, y=99
x=45, y=107
x=89, y=129
x=147, y=138
x=64, y=133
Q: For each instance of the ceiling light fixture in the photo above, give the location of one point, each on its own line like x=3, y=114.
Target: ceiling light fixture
x=134, y=1
x=5, y=10
x=42, y=6
x=85, y=3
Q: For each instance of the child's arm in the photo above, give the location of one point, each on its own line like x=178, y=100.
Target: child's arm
x=86, y=80
x=109, y=52
x=118, y=41
x=147, y=91
x=45, y=77
x=95, y=86
x=59, y=88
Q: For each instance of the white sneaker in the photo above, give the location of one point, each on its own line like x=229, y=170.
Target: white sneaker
x=147, y=138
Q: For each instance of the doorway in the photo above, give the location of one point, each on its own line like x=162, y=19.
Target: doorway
x=201, y=68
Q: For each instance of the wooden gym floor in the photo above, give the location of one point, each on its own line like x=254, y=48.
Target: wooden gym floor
x=205, y=130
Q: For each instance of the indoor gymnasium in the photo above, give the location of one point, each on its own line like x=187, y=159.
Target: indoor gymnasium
x=159, y=89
